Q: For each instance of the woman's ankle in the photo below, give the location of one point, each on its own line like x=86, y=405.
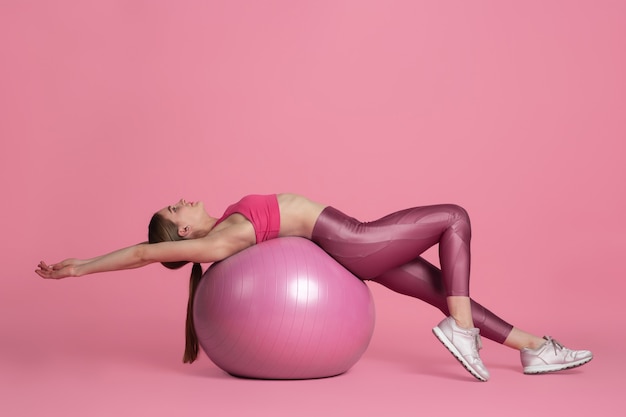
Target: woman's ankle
x=519, y=339
x=463, y=324
x=461, y=311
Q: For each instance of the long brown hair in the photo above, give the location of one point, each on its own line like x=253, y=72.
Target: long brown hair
x=164, y=230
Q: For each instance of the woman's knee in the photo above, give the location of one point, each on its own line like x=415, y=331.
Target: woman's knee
x=458, y=213
x=459, y=217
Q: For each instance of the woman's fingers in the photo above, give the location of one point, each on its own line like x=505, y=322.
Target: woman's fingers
x=43, y=273
x=44, y=270
x=54, y=271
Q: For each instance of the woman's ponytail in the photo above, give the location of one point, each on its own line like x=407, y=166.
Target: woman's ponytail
x=191, y=340
x=164, y=230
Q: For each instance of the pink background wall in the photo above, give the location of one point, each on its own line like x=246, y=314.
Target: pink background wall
x=110, y=110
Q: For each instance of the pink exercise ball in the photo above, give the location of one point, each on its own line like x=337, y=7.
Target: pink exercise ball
x=283, y=309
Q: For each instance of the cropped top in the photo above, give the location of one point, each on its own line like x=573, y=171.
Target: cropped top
x=262, y=211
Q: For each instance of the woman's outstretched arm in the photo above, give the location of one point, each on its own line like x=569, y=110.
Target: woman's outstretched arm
x=126, y=258
x=209, y=249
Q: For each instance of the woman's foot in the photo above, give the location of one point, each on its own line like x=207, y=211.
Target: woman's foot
x=551, y=357
x=464, y=345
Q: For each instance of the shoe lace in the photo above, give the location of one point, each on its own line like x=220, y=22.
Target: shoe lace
x=479, y=343
x=555, y=344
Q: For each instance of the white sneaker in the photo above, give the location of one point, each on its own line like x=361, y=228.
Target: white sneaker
x=551, y=357
x=464, y=345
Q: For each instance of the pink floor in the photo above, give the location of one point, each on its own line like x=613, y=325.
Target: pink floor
x=129, y=365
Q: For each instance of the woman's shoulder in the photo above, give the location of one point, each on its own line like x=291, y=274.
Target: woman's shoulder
x=234, y=230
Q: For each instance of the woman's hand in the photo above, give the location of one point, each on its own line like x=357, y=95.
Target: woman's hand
x=63, y=269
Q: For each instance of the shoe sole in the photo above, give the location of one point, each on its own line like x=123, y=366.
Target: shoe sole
x=544, y=369
x=455, y=352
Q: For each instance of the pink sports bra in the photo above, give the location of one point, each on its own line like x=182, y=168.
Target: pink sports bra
x=262, y=211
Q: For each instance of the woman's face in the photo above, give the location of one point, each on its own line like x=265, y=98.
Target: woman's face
x=185, y=214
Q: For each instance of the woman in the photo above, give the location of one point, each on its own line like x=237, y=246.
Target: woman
x=385, y=251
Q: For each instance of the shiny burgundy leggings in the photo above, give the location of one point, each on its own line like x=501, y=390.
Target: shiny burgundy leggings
x=387, y=251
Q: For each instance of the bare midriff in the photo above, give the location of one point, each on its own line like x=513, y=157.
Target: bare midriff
x=298, y=215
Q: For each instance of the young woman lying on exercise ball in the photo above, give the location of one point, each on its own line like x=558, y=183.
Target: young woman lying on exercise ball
x=386, y=251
